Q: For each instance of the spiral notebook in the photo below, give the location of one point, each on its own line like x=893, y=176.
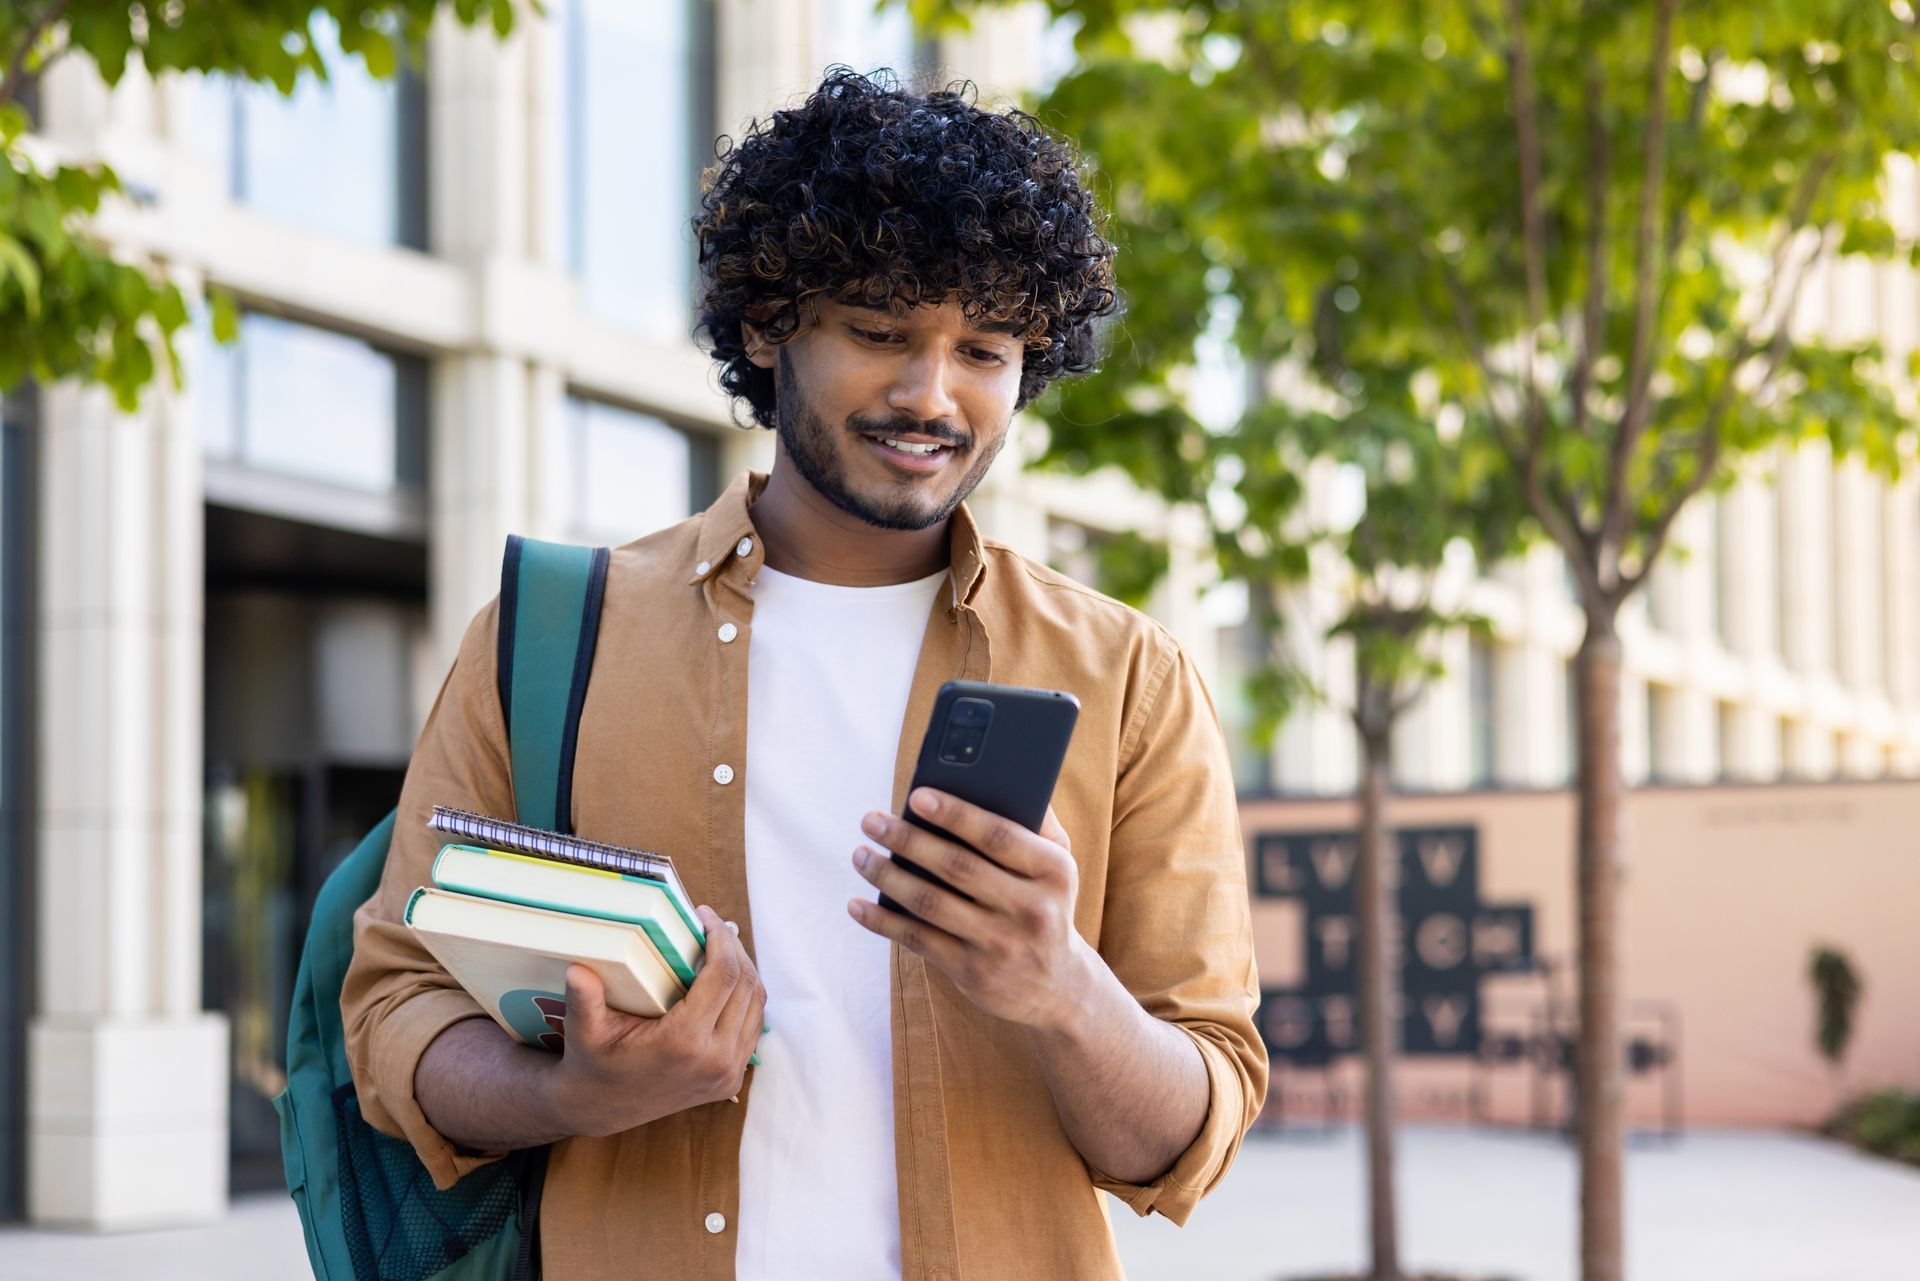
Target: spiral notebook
x=517, y=838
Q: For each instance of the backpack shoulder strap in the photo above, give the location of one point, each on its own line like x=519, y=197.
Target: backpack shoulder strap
x=549, y=620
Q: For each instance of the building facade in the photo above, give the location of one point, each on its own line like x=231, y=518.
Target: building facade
x=466, y=312
x=466, y=302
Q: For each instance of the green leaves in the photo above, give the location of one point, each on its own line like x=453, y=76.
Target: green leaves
x=1349, y=176
x=68, y=307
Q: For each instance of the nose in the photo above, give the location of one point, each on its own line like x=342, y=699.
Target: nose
x=921, y=389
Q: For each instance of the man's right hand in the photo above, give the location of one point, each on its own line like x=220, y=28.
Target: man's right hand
x=619, y=1071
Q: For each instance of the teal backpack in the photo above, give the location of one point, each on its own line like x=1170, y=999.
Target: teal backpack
x=369, y=1207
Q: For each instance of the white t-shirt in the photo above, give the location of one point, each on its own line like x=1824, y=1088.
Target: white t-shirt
x=828, y=672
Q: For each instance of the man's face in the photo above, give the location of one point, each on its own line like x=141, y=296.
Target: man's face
x=894, y=420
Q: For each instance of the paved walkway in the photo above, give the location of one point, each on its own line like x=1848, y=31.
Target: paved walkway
x=1717, y=1206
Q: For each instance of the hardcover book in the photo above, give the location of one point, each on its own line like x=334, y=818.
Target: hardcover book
x=577, y=889
x=513, y=960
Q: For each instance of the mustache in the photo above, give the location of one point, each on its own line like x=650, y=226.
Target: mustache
x=941, y=432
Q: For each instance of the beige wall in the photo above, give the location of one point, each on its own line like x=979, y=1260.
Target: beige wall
x=1726, y=892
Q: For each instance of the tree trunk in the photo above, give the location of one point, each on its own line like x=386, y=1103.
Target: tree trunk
x=1597, y=1069
x=1373, y=913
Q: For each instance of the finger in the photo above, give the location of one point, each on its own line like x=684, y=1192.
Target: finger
x=943, y=951
x=586, y=1003
x=741, y=1013
x=725, y=966
x=1051, y=829
x=938, y=907
x=755, y=1024
x=740, y=1023
x=1004, y=841
x=951, y=861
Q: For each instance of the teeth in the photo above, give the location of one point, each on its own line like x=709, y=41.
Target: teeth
x=907, y=447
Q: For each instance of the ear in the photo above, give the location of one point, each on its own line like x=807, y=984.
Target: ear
x=759, y=350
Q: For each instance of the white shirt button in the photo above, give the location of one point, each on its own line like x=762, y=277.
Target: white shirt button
x=702, y=567
x=744, y=546
x=723, y=774
x=727, y=632
x=716, y=1222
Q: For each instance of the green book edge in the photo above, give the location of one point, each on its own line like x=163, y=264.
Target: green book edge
x=661, y=943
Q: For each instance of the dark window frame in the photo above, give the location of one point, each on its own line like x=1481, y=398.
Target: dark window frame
x=19, y=468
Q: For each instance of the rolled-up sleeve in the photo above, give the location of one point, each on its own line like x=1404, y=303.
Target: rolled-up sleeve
x=397, y=998
x=1176, y=926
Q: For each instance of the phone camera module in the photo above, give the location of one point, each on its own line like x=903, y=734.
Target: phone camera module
x=965, y=734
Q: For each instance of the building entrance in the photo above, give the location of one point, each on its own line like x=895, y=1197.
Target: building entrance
x=313, y=640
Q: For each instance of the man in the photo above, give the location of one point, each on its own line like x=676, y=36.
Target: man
x=888, y=277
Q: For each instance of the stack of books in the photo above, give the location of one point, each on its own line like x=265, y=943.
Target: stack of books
x=511, y=907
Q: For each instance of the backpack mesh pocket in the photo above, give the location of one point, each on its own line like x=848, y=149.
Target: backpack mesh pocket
x=399, y=1227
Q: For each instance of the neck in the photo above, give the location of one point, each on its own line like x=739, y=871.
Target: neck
x=809, y=537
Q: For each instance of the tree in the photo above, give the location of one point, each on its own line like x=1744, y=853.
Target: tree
x=1588, y=223
x=68, y=307
x=1425, y=495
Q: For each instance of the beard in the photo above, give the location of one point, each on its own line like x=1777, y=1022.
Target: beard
x=819, y=454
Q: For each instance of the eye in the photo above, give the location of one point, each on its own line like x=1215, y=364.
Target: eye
x=986, y=357
x=880, y=337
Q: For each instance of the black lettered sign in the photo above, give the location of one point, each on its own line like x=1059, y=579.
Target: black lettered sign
x=1443, y=941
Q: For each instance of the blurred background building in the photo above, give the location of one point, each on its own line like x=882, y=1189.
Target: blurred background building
x=467, y=312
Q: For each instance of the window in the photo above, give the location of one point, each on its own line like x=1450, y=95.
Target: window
x=1480, y=712
x=346, y=157
x=1660, y=745
x=637, y=130
x=312, y=403
x=633, y=473
x=1728, y=750
x=18, y=415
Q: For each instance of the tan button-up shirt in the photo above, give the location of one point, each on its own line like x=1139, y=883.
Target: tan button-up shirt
x=990, y=1185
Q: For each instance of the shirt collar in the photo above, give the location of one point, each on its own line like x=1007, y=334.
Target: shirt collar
x=726, y=530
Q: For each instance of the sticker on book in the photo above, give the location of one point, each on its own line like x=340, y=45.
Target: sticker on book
x=538, y=1018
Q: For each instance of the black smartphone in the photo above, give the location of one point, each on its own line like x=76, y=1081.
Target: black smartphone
x=995, y=746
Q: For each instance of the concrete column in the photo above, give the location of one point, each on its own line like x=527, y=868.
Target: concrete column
x=1810, y=750
x=1806, y=558
x=765, y=55
x=1687, y=751
x=1752, y=745
x=480, y=150
x=1433, y=744
x=482, y=486
x=127, y=1076
x=1900, y=535
x=550, y=456
x=1748, y=547
x=488, y=478
x=1856, y=576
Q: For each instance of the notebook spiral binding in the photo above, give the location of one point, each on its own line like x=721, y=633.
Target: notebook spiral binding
x=521, y=839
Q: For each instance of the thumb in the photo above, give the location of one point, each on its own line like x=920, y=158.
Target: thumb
x=586, y=1002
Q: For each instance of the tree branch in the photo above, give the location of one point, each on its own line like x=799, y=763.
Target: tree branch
x=1464, y=320
x=1709, y=433
x=11, y=88
x=1532, y=220
x=1648, y=283
x=1677, y=208
x=1598, y=178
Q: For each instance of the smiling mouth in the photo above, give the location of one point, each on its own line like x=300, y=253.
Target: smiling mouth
x=911, y=455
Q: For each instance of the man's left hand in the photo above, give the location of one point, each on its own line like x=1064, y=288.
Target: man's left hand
x=1013, y=950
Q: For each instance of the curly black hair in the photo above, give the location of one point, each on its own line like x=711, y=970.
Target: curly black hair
x=877, y=195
